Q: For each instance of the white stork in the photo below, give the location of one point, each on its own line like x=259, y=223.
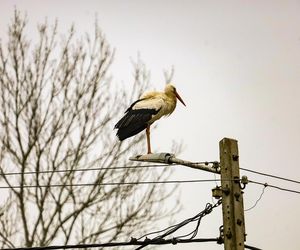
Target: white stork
x=143, y=112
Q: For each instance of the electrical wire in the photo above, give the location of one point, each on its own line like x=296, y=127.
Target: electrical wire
x=172, y=229
x=82, y=169
x=108, y=184
x=141, y=183
x=133, y=242
x=263, y=190
x=208, y=209
x=251, y=247
x=270, y=175
x=137, y=166
x=276, y=187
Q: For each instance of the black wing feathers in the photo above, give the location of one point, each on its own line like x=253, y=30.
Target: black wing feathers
x=134, y=121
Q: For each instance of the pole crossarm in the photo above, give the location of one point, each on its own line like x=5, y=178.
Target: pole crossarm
x=168, y=158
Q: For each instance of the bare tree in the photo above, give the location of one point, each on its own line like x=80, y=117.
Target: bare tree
x=57, y=114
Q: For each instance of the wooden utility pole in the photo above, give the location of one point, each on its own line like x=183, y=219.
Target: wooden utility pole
x=232, y=196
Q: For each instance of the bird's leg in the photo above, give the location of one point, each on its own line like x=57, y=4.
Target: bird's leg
x=148, y=139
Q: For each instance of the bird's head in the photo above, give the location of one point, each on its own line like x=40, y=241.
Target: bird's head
x=171, y=90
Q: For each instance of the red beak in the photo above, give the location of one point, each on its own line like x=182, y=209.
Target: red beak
x=179, y=98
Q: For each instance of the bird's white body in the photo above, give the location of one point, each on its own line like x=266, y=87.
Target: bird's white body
x=163, y=102
x=149, y=108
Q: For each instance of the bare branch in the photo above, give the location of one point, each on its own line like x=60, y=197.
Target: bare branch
x=169, y=75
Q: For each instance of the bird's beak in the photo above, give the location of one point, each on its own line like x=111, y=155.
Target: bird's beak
x=179, y=98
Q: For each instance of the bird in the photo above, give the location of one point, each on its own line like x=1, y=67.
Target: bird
x=145, y=111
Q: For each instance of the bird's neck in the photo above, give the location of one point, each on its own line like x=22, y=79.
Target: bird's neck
x=171, y=100
x=171, y=95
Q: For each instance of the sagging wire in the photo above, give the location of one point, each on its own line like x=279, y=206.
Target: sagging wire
x=263, y=190
x=172, y=229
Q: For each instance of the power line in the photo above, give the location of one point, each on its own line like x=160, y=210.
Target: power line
x=108, y=184
x=140, y=183
x=81, y=169
x=134, y=167
x=133, y=242
x=270, y=175
x=251, y=247
x=277, y=187
x=172, y=229
x=208, y=209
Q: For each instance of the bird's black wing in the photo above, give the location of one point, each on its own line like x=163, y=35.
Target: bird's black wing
x=134, y=121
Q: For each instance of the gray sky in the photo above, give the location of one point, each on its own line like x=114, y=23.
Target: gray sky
x=237, y=67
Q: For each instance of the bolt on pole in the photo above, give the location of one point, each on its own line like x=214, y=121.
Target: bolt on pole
x=232, y=196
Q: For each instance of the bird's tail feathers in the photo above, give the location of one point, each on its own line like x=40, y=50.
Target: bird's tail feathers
x=126, y=132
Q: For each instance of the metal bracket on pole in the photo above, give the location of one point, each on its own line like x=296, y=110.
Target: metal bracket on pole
x=169, y=158
x=156, y=158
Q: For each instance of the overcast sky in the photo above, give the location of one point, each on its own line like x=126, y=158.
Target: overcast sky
x=237, y=67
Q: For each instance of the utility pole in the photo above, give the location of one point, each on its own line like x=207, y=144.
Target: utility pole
x=232, y=196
